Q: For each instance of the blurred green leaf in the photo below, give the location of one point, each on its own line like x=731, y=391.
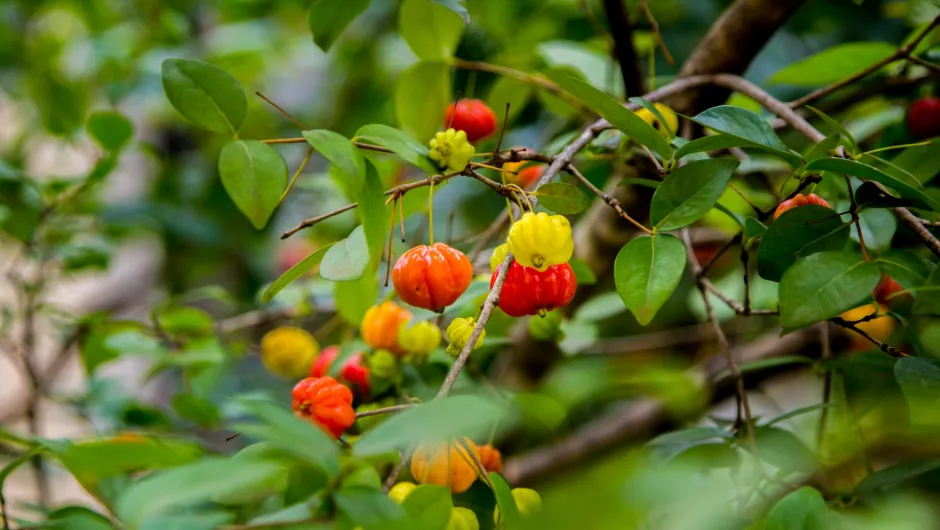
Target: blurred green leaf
x=622, y=118
x=834, y=64
x=784, y=450
x=582, y=272
x=367, y=508
x=799, y=412
x=255, y=176
x=749, y=126
x=691, y=435
x=857, y=169
x=893, y=475
x=206, y=95
x=513, y=92
x=509, y=515
x=647, y=271
x=823, y=286
x=562, y=198
x=110, y=129
x=798, y=233
x=431, y=29
x=547, y=411
x=302, y=267
x=927, y=303
x=907, y=268
x=422, y=94
x=403, y=145
x=457, y=7
x=803, y=509
x=432, y=423
x=428, y=507
x=196, y=409
x=689, y=192
x=342, y=154
x=919, y=379
x=77, y=518
x=355, y=297
x=604, y=305
x=185, y=321
x=590, y=63
x=328, y=18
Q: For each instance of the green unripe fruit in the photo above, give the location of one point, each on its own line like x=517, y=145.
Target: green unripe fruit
x=400, y=491
x=463, y=519
x=419, y=339
x=383, y=364
x=546, y=328
x=528, y=501
x=498, y=256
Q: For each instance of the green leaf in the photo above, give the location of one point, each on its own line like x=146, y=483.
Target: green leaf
x=836, y=127
x=367, y=508
x=803, y=509
x=328, y=18
x=546, y=411
x=457, y=7
x=508, y=511
x=798, y=233
x=717, y=142
x=254, y=176
x=907, y=268
x=422, y=94
x=799, y=412
x=843, y=166
x=205, y=94
x=294, y=435
x=833, y=64
x=647, y=271
x=433, y=422
x=823, y=286
x=431, y=30
x=604, y=305
x=406, y=147
x=691, y=435
x=648, y=105
x=622, y=118
x=870, y=195
x=893, y=475
x=878, y=227
x=928, y=303
x=753, y=228
x=823, y=148
x=302, y=267
x=428, y=507
x=567, y=58
x=342, y=153
x=372, y=212
x=110, y=129
x=562, y=198
x=187, y=486
x=689, y=192
x=783, y=449
x=347, y=259
x=353, y=298
x=506, y=90
x=582, y=272
x=919, y=379
x=77, y=518
x=749, y=126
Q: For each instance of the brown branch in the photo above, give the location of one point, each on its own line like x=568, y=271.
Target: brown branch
x=386, y=410
x=614, y=203
x=656, y=33
x=915, y=224
x=926, y=64
x=622, y=33
x=887, y=348
x=360, y=145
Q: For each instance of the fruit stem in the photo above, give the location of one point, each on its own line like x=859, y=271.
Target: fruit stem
x=431, y=213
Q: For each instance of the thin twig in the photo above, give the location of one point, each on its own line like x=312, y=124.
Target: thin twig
x=887, y=348
x=745, y=261
x=614, y=203
x=926, y=64
x=282, y=111
x=853, y=210
x=385, y=410
x=300, y=169
x=656, y=33
x=703, y=270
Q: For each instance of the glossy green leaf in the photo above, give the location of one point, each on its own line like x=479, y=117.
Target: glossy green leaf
x=347, y=259
x=749, y=126
x=341, y=152
x=907, y=268
x=457, y=7
x=508, y=511
x=403, y=145
x=110, y=129
x=919, y=379
x=720, y=141
x=422, y=94
x=562, y=198
x=823, y=286
x=689, y=192
x=255, y=176
x=371, y=209
x=432, y=422
x=928, y=301
x=833, y=64
x=798, y=233
x=428, y=507
x=647, y=271
x=622, y=118
x=283, y=430
x=302, y=267
x=836, y=127
x=205, y=94
x=844, y=166
x=186, y=486
x=803, y=509
x=328, y=18
x=754, y=228
x=431, y=30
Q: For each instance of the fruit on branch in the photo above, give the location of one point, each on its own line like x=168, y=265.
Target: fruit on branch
x=365, y=423
x=380, y=326
x=288, y=351
x=383, y=364
x=880, y=328
x=491, y=459
x=471, y=116
x=923, y=118
x=498, y=256
x=451, y=150
x=458, y=334
x=356, y=373
x=419, y=339
x=325, y=402
x=446, y=464
x=799, y=200
x=524, y=178
x=886, y=288
x=528, y=501
x=528, y=291
x=321, y=366
x=547, y=328
x=401, y=491
x=432, y=277
x=541, y=240
x=463, y=519
x=672, y=121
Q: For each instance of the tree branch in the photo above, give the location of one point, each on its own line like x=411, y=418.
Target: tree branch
x=622, y=32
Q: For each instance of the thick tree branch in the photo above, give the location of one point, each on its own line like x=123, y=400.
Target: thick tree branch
x=622, y=32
